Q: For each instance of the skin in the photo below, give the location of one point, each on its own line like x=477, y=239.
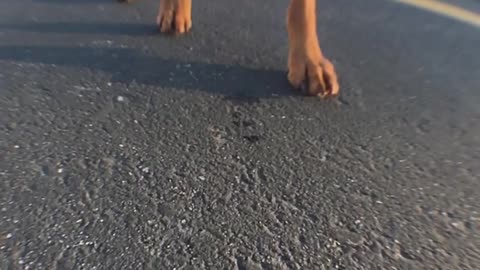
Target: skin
x=306, y=63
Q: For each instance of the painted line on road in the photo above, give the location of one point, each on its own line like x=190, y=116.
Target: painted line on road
x=445, y=9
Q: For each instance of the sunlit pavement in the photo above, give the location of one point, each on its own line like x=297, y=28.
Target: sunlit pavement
x=124, y=149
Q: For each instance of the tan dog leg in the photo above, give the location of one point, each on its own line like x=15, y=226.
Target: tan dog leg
x=306, y=62
x=175, y=16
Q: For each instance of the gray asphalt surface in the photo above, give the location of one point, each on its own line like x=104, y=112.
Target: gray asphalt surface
x=125, y=149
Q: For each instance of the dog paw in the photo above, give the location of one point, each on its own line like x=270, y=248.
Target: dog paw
x=313, y=71
x=175, y=16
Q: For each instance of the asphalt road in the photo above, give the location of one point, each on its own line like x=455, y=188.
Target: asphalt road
x=124, y=149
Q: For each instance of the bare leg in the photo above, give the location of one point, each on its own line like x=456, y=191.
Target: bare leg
x=306, y=62
x=175, y=16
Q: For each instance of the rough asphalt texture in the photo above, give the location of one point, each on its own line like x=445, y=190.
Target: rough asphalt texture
x=125, y=149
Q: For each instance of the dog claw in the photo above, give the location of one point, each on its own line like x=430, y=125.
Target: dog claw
x=315, y=74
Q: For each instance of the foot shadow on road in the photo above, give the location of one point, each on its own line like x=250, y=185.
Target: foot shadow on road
x=127, y=29
x=129, y=65
x=78, y=2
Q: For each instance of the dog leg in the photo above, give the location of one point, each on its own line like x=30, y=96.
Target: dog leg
x=175, y=16
x=306, y=62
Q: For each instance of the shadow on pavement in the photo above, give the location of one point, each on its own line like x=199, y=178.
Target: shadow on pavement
x=128, y=29
x=77, y=2
x=128, y=65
